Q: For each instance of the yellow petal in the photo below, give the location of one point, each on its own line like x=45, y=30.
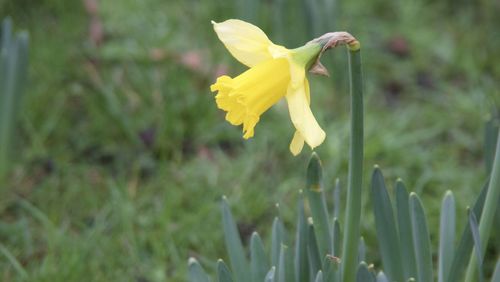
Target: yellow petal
x=300, y=112
x=308, y=91
x=297, y=74
x=246, y=42
x=297, y=143
x=246, y=97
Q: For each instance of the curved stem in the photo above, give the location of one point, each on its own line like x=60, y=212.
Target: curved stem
x=355, y=182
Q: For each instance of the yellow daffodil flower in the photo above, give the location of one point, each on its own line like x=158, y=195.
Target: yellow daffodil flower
x=274, y=72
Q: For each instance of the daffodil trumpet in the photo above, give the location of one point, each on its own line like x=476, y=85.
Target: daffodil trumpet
x=274, y=72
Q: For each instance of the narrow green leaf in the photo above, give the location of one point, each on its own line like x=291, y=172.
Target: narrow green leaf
x=337, y=238
x=363, y=274
x=196, y=272
x=336, y=199
x=496, y=273
x=270, y=275
x=464, y=249
x=21, y=74
x=234, y=246
x=361, y=250
x=3, y=71
x=8, y=71
x=385, y=225
x=289, y=265
x=301, y=262
x=284, y=271
x=490, y=136
x=330, y=269
x=477, y=244
x=317, y=203
x=446, y=236
x=421, y=240
x=258, y=259
x=10, y=85
x=490, y=209
x=319, y=277
x=277, y=239
x=223, y=273
x=6, y=33
x=337, y=242
x=4, y=122
x=13, y=72
x=381, y=277
x=282, y=265
x=405, y=231
x=312, y=250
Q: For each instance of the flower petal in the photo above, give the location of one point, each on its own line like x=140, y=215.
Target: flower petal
x=246, y=97
x=246, y=42
x=297, y=143
x=301, y=115
x=308, y=91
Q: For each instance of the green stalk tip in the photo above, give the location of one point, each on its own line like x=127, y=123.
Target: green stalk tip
x=191, y=261
x=354, y=46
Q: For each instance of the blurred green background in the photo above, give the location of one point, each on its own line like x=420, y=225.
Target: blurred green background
x=121, y=155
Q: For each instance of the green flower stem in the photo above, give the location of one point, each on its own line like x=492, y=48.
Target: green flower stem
x=355, y=182
x=490, y=207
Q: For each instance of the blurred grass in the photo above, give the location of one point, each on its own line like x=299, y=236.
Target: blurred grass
x=123, y=155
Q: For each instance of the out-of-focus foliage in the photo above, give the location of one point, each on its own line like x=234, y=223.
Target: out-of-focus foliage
x=13, y=67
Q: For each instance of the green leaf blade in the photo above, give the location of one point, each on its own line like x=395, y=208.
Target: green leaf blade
x=277, y=239
x=301, y=261
x=381, y=277
x=319, y=277
x=258, y=259
x=361, y=250
x=477, y=245
x=496, y=272
x=363, y=274
x=312, y=250
x=446, y=236
x=317, y=202
x=405, y=231
x=196, y=272
x=464, y=249
x=223, y=273
x=337, y=238
x=421, y=240
x=234, y=246
x=270, y=275
x=330, y=270
x=385, y=224
x=282, y=264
